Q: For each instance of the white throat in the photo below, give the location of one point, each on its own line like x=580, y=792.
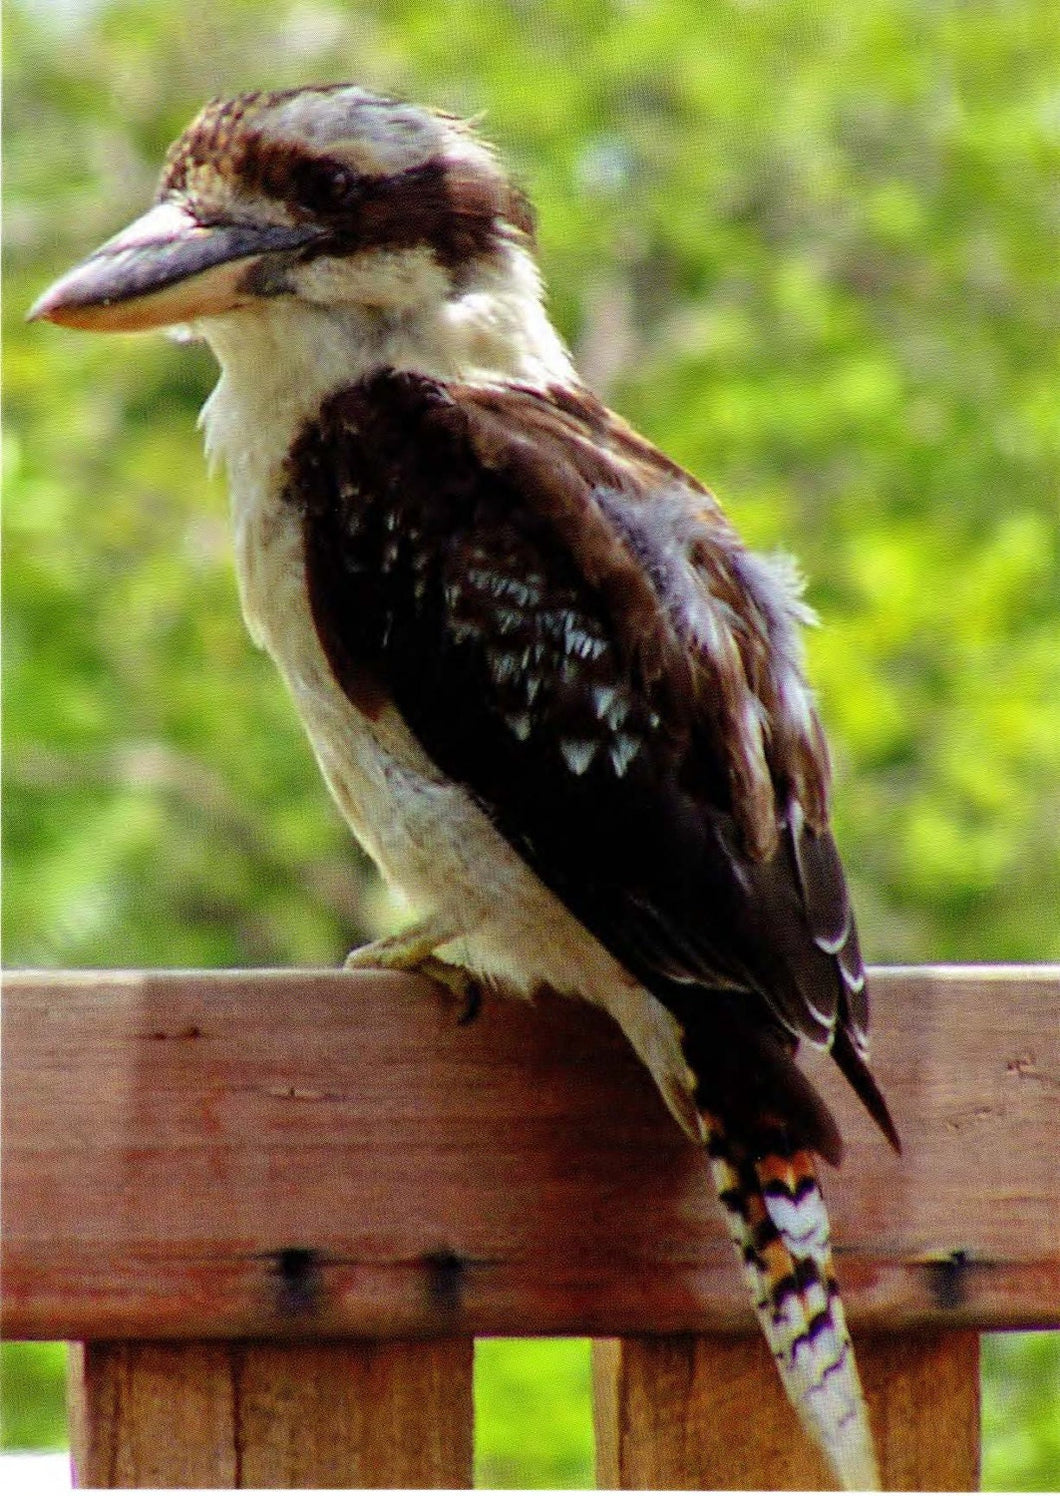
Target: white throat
x=282, y=357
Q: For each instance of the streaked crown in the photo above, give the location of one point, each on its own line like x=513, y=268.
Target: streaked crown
x=374, y=172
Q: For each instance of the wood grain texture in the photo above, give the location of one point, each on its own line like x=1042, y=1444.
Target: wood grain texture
x=336, y=1415
x=299, y=1155
x=696, y=1412
x=923, y=1395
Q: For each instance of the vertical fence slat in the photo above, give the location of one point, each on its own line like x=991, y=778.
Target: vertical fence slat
x=923, y=1391
x=151, y=1415
x=697, y=1412
x=704, y=1412
x=286, y=1416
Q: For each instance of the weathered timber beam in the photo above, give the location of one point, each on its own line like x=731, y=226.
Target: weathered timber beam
x=311, y=1154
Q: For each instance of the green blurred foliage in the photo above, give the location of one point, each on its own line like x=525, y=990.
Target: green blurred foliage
x=810, y=249
x=1021, y=1414
x=533, y=1415
x=32, y=1396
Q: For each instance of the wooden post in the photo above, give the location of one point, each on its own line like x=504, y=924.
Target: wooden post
x=700, y=1412
x=240, y=1414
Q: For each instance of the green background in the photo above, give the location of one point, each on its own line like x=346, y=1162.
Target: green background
x=811, y=250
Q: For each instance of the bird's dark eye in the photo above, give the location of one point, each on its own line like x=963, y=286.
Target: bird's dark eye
x=325, y=186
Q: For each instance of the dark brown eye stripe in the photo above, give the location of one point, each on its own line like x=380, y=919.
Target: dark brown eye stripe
x=462, y=212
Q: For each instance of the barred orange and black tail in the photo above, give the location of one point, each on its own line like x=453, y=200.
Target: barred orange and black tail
x=779, y=1225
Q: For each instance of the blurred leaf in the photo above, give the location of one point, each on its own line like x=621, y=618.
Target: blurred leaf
x=533, y=1415
x=1021, y=1414
x=32, y=1395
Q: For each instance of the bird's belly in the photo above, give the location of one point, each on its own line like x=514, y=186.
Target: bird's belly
x=426, y=834
x=431, y=840
x=407, y=817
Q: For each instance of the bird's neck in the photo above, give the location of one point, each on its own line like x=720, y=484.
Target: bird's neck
x=281, y=358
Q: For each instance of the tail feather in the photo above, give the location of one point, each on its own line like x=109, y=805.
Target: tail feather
x=779, y=1226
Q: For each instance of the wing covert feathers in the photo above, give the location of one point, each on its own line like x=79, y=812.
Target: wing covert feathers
x=572, y=630
x=779, y=1227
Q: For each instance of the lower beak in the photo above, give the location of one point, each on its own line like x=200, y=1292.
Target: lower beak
x=163, y=269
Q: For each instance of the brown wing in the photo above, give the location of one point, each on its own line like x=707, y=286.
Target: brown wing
x=573, y=631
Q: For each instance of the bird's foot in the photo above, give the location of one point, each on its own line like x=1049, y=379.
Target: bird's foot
x=413, y=950
x=401, y=952
x=458, y=981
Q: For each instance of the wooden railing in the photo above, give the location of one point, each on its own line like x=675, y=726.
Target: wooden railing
x=275, y=1208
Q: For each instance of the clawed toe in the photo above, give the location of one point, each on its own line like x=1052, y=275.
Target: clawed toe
x=414, y=952
x=472, y=1004
x=458, y=981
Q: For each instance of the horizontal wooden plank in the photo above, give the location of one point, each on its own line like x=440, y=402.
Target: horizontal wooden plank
x=293, y=1154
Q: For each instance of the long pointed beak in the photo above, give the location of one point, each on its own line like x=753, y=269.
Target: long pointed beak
x=165, y=268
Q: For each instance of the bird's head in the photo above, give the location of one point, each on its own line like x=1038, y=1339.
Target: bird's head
x=333, y=196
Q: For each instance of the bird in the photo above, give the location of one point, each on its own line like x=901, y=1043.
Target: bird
x=558, y=701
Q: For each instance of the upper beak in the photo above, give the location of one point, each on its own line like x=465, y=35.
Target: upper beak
x=165, y=268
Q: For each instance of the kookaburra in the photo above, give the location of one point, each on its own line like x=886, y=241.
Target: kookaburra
x=554, y=696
